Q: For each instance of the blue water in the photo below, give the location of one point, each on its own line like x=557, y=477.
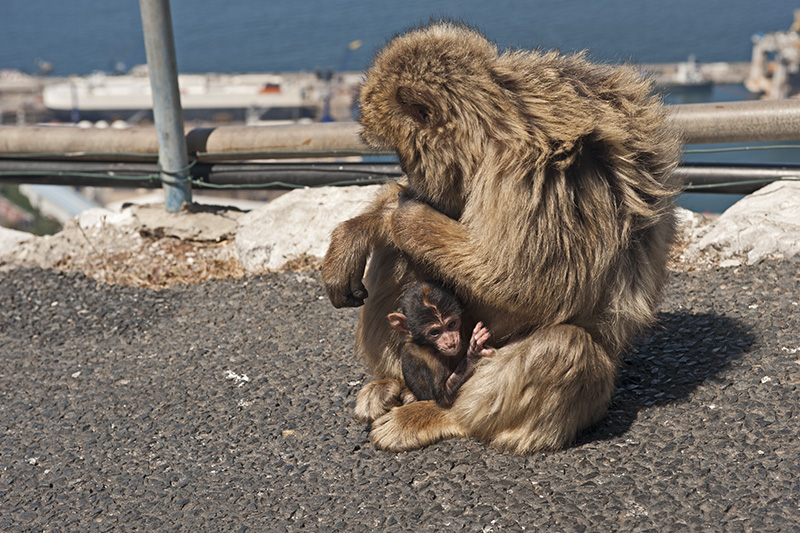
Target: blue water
x=81, y=36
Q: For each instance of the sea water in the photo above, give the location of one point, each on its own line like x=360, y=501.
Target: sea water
x=81, y=36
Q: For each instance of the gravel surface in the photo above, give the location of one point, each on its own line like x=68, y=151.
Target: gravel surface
x=227, y=406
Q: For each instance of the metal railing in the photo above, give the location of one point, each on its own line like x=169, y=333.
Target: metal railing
x=698, y=177
x=162, y=69
x=730, y=122
x=228, y=156
x=767, y=120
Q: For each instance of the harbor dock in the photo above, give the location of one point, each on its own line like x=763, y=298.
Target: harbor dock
x=249, y=98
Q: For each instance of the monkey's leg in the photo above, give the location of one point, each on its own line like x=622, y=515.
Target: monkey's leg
x=534, y=394
x=538, y=392
x=413, y=426
x=377, y=397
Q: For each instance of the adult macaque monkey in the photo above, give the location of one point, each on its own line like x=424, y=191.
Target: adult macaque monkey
x=441, y=347
x=538, y=187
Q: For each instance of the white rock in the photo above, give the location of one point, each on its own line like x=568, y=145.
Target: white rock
x=727, y=263
x=690, y=224
x=296, y=224
x=191, y=223
x=765, y=224
x=687, y=218
x=10, y=239
x=98, y=217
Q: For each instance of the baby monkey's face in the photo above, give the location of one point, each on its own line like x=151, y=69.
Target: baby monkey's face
x=445, y=335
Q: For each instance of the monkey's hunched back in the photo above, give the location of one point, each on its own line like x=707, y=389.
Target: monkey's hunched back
x=542, y=194
x=580, y=153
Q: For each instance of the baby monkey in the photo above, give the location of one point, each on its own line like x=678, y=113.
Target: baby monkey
x=438, y=353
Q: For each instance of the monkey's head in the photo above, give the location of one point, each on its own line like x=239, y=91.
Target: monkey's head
x=429, y=96
x=461, y=115
x=431, y=316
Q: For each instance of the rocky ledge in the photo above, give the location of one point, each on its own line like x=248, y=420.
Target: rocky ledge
x=146, y=246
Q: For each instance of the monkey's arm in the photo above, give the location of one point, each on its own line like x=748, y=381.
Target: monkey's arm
x=351, y=244
x=466, y=366
x=423, y=373
x=454, y=253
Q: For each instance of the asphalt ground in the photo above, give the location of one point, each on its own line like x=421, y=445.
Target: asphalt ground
x=227, y=406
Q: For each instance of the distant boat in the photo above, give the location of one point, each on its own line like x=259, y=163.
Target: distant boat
x=687, y=76
x=205, y=97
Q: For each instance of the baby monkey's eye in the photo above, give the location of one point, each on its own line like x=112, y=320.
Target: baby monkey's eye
x=453, y=324
x=435, y=332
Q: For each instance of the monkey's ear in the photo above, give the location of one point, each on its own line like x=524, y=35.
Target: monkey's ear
x=415, y=105
x=399, y=323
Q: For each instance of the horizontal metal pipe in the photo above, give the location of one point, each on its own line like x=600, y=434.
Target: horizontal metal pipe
x=79, y=173
x=79, y=143
x=296, y=174
x=769, y=120
x=729, y=122
x=251, y=175
x=698, y=177
x=732, y=178
x=292, y=140
x=219, y=144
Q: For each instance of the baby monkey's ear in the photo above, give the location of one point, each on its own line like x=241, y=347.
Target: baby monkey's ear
x=399, y=323
x=416, y=105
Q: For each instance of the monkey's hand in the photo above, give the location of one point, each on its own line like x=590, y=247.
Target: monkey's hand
x=351, y=244
x=466, y=366
x=377, y=397
x=343, y=268
x=476, y=350
x=346, y=260
x=345, y=291
x=351, y=295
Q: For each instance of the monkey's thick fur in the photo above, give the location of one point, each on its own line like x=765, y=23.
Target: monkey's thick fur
x=538, y=187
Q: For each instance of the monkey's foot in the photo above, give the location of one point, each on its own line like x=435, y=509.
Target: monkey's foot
x=406, y=396
x=377, y=397
x=413, y=426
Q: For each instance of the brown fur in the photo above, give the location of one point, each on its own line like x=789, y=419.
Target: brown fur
x=377, y=397
x=542, y=195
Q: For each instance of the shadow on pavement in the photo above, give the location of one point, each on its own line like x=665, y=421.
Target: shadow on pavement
x=681, y=351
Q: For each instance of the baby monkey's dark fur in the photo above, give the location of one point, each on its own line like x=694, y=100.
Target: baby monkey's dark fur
x=441, y=348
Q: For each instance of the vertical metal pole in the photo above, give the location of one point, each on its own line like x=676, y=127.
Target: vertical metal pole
x=162, y=67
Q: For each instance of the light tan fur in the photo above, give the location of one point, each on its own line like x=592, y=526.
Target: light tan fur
x=538, y=187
